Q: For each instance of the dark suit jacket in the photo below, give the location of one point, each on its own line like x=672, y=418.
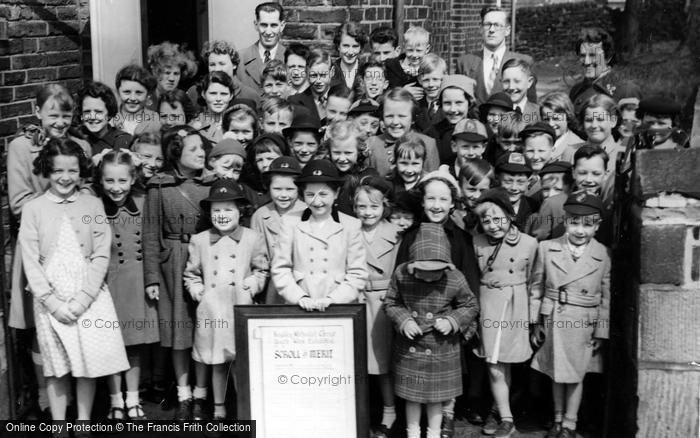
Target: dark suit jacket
x=472, y=65
x=305, y=99
x=251, y=66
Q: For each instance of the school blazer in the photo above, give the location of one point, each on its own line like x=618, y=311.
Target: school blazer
x=251, y=66
x=472, y=65
x=558, y=279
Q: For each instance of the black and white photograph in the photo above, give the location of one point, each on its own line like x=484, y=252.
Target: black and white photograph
x=350, y=218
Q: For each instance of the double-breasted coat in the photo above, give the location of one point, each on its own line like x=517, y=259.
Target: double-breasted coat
x=125, y=273
x=330, y=262
x=503, y=296
x=225, y=270
x=22, y=186
x=268, y=222
x=171, y=216
x=381, y=251
x=573, y=297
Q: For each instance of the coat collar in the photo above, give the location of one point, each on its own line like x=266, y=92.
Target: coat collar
x=58, y=200
x=588, y=263
x=332, y=227
x=235, y=235
x=385, y=239
x=112, y=209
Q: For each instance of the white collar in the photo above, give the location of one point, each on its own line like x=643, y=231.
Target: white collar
x=59, y=200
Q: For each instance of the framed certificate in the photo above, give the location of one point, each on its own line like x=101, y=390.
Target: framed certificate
x=303, y=373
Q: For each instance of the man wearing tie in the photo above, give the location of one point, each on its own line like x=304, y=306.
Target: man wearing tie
x=269, y=22
x=484, y=65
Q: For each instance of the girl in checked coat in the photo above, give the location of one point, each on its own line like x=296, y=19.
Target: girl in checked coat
x=570, y=304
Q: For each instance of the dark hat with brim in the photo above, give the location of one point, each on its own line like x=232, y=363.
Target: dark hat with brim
x=498, y=196
x=364, y=106
x=556, y=167
x=283, y=166
x=319, y=171
x=303, y=121
x=538, y=127
x=513, y=162
x=582, y=203
x=659, y=106
x=225, y=190
x=499, y=100
x=377, y=182
x=408, y=201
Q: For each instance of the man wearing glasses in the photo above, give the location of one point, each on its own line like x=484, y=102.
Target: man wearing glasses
x=485, y=65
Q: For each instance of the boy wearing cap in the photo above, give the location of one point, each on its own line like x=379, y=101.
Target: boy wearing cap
x=304, y=136
x=538, y=147
x=660, y=116
x=468, y=143
x=569, y=307
x=226, y=159
x=217, y=282
x=285, y=205
x=455, y=97
x=513, y=174
x=365, y=112
x=495, y=110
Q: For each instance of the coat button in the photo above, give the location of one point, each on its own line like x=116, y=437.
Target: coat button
x=312, y=272
x=584, y=291
x=510, y=271
x=139, y=258
x=325, y=272
x=216, y=257
x=429, y=315
x=139, y=250
x=325, y=260
x=512, y=259
x=138, y=242
x=138, y=233
x=117, y=236
x=214, y=272
x=412, y=349
x=311, y=249
x=233, y=283
x=414, y=314
x=121, y=262
x=490, y=269
x=119, y=244
x=213, y=285
x=120, y=254
x=311, y=260
x=428, y=352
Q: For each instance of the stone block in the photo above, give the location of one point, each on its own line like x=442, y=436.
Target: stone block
x=662, y=254
x=668, y=404
x=15, y=109
x=21, y=62
x=668, y=327
x=322, y=15
x=8, y=127
x=21, y=29
x=6, y=94
x=300, y=31
x=668, y=171
x=41, y=74
x=13, y=78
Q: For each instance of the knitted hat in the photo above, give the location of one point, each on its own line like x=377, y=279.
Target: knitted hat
x=228, y=146
x=498, y=196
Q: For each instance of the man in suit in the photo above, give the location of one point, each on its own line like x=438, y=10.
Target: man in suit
x=269, y=22
x=484, y=65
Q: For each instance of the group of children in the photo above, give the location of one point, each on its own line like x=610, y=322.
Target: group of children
x=474, y=233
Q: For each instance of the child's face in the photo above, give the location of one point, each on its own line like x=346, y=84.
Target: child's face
x=116, y=182
x=242, y=130
x=598, y=124
x=169, y=78
x=225, y=215
x=494, y=117
x=515, y=185
x=662, y=125
x=65, y=176
x=344, y=153
x=275, y=88
x=217, y=97
x=415, y=51
x=629, y=123
x=558, y=121
x=467, y=150
x=320, y=198
x=274, y=123
x=581, y=229
x=495, y=222
x=552, y=184
x=409, y=168
x=368, y=123
x=369, y=212
x=397, y=118
x=437, y=201
x=172, y=115
x=337, y=108
x=431, y=83
x=402, y=219
x=283, y=192
x=374, y=82
x=384, y=51
x=320, y=78
x=538, y=150
x=133, y=96
x=454, y=104
x=589, y=174
x=94, y=114
x=472, y=192
x=227, y=166
x=264, y=159
x=220, y=62
x=515, y=82
x=348, y=49
x=296, y=66
x=54, y=120
x=151, y=157
x=510, y=144
x=192, y=157
x=304, y=146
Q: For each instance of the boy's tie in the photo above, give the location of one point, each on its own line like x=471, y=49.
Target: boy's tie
x=493, y=73
x=266, y=56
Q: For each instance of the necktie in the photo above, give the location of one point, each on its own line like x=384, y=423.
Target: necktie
x=266, y=56
x=493, y=74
